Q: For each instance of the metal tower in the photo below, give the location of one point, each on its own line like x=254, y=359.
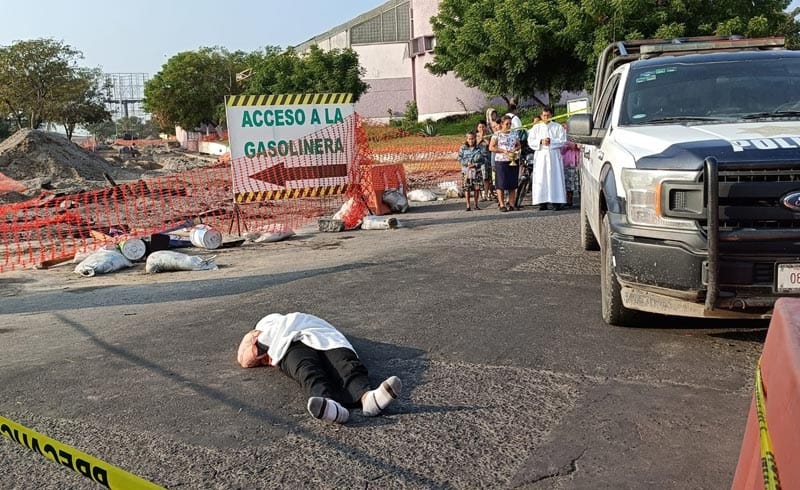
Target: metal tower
x=125, y=93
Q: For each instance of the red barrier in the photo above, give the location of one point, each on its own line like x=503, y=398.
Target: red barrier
x=379, y=178
x=7, y=184
x=780, y=371
x=52, y=227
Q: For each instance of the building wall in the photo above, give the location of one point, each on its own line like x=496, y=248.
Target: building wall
x=438, y=97
x=384, y=60
x=395, y=78
x=387, y=71
x=385, y=94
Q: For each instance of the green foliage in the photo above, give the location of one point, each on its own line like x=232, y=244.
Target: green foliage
x=317, y=71
x=125, y=128
x=412, y=112
x=505, y=48
x=191, y=87
x=527, y=46
x=103, y=130
x=428, y=129
x=80, y=101
x=459, y=124
x=34, y=79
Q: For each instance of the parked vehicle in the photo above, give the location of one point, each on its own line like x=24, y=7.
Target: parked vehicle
x=690, y=179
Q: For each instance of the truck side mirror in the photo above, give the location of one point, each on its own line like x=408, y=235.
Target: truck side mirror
x=581, y=130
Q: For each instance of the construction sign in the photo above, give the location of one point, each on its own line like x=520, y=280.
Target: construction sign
x=290, y=145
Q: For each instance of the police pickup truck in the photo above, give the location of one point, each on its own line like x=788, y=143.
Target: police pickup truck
x=690, y=179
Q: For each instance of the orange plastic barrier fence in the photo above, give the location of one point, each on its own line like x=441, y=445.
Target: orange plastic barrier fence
x=778, y=419
x=379, y=178
x=427, y=166
x=215, y=136
x=52, y=228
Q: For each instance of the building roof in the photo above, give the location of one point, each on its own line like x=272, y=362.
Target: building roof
x=350, y=23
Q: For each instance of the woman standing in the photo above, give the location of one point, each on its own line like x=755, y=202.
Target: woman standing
x=503, y=145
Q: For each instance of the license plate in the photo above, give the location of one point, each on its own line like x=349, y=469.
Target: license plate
x=787, y=278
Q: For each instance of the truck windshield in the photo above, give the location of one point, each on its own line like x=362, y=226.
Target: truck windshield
x=722, y=90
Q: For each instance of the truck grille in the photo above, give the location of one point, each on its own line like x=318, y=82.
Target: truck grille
x=751, y=199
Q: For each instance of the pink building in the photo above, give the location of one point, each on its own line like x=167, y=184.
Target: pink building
x=394, y=42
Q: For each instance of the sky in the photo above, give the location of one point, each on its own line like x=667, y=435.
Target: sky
x=139, y=36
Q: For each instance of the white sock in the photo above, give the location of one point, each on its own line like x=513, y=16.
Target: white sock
x=378, y=399
x=327, y=409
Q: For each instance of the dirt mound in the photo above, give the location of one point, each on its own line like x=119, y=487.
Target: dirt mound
x=30, y=154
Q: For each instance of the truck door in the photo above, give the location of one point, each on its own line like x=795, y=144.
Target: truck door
x=593, y=157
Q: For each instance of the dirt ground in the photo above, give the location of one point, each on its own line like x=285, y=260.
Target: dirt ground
x=43, y=161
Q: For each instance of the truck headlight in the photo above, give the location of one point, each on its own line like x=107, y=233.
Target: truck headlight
x=644, y=188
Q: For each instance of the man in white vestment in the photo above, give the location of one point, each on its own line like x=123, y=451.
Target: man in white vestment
x=547, y=138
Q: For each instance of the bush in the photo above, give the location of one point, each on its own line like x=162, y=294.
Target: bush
x=412, y=112
x=428, y=129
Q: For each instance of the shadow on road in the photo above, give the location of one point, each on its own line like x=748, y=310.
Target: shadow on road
x=379, y=358
x=150, y=293
x=741, y=330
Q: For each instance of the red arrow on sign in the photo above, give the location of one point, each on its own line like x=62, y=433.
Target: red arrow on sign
x=280, y=173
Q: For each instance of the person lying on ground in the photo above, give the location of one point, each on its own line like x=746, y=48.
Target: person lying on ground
x=321, y=359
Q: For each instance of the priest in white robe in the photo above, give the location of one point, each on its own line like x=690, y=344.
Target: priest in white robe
x=546, y=139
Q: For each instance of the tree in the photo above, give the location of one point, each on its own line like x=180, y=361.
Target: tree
x=600, y=22
x=31, y=74
x=318, y=71
x=80, y=101
x=505, y=48
x=191, y=87
x=516, y=48
x=102, y=130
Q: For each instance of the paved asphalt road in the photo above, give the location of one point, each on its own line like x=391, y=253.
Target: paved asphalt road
x=491, y=319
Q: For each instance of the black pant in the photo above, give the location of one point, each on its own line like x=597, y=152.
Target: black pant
x=336, y=373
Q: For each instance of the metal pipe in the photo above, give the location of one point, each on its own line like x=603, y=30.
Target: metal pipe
x=712, y=226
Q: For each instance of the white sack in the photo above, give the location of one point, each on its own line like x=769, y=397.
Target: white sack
x=102, y=261
x=421, y=195
x=167, y=260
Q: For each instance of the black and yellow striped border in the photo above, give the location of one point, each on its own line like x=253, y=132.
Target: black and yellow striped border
x=245, y=197
x=287, y=99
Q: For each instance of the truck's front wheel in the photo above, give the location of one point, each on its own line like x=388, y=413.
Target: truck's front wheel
x=614, y=313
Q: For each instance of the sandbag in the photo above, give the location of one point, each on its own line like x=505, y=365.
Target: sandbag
x=167, y=261
x=396, y=201
x=102, y=261
x=421, y=195
x=453, y=192
x=248, y=351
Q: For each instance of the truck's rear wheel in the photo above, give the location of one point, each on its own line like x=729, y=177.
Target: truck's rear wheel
x=588, y=240
x=614, y=313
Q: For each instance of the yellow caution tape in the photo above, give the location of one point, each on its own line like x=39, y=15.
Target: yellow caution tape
x=529, y=126
x=769, y=467
x=96, y=470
